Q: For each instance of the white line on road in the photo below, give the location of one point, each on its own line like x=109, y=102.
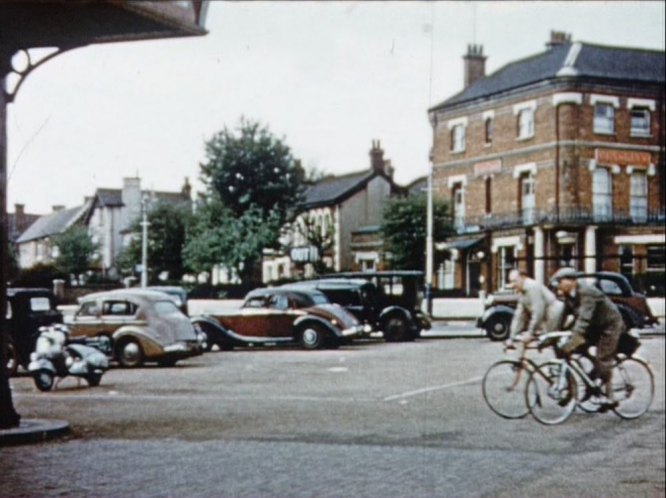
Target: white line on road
x=424, y=390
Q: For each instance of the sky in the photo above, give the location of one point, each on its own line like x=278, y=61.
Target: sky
x=328, y=78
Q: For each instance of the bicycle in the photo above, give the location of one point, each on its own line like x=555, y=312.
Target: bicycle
x=502, y=388
x=551, y=391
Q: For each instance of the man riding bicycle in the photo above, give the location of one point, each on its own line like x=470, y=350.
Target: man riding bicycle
x=538, y=308
x=598, y=323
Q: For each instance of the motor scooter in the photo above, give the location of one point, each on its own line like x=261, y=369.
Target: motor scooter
x=56, y=355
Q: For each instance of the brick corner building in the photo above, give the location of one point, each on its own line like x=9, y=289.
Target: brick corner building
x=553, y=160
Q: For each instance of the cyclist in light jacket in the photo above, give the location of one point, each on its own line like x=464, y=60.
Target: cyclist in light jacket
x=538, y=309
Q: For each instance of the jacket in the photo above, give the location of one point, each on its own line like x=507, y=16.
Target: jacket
x=595, y=313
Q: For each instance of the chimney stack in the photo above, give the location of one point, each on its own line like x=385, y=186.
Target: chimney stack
x=186, y=190
x=58, y=207
x=558, y=38
x=376, y=157
x=475, y=64
x=19, y=209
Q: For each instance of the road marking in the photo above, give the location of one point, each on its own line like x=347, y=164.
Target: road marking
x=429, y=389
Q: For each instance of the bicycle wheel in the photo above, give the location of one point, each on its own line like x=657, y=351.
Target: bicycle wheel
x=550, y=393
x=503, y=386
x=589, y=397
x=633, y=387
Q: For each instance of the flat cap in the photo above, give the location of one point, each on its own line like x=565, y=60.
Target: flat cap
x=565, y=272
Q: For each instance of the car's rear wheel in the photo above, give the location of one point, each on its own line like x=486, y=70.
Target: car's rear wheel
x=312, y=336
x=395, y=329
x=129, y=354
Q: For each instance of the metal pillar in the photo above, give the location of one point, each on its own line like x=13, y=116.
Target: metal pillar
x=144, y=242
x=539, y=262
x=8, y=415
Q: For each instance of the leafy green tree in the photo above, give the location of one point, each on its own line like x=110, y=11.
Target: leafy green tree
x=251, y=167
x=220, y=237
x=75, y=251
x=166, y=239
x=405, y=229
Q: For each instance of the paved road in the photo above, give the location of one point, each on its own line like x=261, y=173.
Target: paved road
x=372, y=419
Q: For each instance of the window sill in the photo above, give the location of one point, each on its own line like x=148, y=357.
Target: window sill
x=637, y=134
x=524, y=139
x=606, y=133
x=488, y=145
x=457, y=152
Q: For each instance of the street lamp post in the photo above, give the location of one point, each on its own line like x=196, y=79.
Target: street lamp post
x=429, y=245
x=144, y=241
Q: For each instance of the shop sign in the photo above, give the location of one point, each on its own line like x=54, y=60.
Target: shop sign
x=622, y=157
x=488, y=167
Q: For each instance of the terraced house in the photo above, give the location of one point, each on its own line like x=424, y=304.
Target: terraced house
x=552, y=160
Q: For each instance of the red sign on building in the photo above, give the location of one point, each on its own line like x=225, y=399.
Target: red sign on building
x=622, y=157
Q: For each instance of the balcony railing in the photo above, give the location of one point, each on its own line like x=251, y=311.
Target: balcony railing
x=566, y=216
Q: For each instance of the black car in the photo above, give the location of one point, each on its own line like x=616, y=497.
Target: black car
x=500, y=308
x=27, y=310
x=388, y=301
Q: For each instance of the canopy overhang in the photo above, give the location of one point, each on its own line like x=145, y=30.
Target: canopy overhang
x=61, y=23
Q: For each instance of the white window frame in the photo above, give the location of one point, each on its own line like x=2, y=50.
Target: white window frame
x=527, y=182
x=458, y=138
x=525, y=123
x=645, y=131
x=638, y=203
x=458, y=203
x=604, y=125
x=602, y=195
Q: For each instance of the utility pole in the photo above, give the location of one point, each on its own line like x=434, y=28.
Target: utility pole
x=144, y=241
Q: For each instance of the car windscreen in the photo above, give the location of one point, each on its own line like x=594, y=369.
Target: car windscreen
x=165, y=308
x=319, y=299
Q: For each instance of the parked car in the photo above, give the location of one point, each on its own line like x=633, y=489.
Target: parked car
x=27, y=310
x=500, y=307
x=369, y=304
x=176, y=293
x=273, y=316
x=143, y=325
x=392, y=303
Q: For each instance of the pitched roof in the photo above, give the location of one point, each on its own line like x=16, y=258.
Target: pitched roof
x=52, y=224
x=577, y=60
x=334, y=189
x=111, y=197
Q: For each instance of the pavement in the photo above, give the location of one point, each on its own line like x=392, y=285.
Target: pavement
x=34, y=431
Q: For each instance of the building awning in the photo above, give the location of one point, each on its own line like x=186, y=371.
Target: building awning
x=459, y=244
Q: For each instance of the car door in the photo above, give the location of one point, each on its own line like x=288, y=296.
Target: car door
x=251, y=320
x=87, y=321
x=281, y=315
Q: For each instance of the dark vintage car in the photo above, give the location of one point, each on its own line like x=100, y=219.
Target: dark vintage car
x=27, y=310
x=176, y=293
x=143, y=325
x=273, y=316
x=500, y=307
x=386, y=301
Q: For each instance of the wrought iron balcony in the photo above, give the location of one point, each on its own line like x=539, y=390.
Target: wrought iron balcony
x=566, y=216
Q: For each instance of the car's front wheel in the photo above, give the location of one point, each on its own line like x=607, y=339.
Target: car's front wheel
x=498, y=328
x=312, y=336
x=129, y=354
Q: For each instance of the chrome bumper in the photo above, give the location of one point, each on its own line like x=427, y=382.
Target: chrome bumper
x=357, y=330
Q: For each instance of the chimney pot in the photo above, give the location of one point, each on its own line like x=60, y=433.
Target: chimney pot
x=558, y=38
x=19, y=209
x=475, y=64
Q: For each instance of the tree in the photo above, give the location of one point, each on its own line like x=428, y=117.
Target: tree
x=220, y=237
x=405, y=229
x=166, y=239
x=75, y=251
x=253, y=168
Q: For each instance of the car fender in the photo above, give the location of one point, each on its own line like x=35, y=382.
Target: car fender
x=305, y=319
x=631, y=319
x=499, y=311
x=397, y=310
x=149, y=345
x=215, y=331
x=41, y=364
